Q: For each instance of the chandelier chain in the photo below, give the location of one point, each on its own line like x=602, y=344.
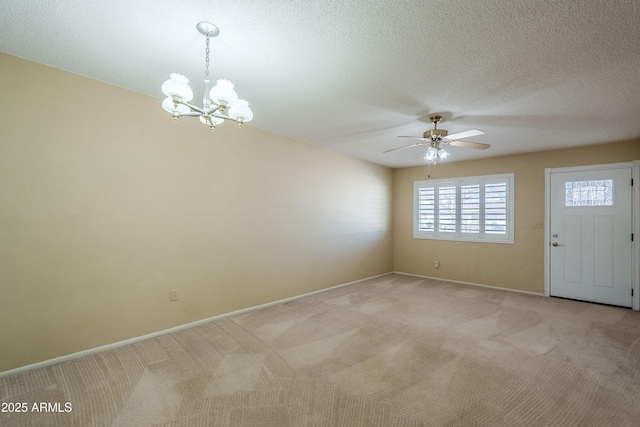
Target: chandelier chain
x=206, y=70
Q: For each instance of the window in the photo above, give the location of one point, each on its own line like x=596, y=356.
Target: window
x=589, y=193
x=476, y=209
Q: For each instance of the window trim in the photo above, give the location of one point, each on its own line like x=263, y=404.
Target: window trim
x=481, y=236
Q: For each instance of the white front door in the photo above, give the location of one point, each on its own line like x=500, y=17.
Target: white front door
x=590, y=253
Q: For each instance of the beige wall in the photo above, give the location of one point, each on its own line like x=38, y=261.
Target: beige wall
x=518, y=266
x=106, y=205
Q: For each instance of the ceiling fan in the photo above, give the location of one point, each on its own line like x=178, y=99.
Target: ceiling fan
x=434, y=137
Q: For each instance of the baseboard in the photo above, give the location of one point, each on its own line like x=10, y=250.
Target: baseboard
x=95, y=350
x=540, y=294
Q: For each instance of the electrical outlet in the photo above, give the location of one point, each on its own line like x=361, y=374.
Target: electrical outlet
x=173, y=295
x=436, y=264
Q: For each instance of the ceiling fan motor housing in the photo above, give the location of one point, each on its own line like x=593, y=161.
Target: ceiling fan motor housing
x=435, y=134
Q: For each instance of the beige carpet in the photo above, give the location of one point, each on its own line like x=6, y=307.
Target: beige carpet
x=392, y=351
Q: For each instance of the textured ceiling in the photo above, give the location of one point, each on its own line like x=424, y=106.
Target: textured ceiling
x=352, y=75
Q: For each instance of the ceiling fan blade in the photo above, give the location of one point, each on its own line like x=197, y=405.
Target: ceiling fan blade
x=465, y=134
x=414, y=137
x=469, y=144
x=406, y=146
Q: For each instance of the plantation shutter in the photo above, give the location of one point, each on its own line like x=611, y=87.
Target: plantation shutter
x=495, y=211
x=470, y=208
x=477, y=209
x=426, y=209
x=447, y=208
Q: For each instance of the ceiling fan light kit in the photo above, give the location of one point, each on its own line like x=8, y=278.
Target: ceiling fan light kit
x=434, y=137
x=219, y=103
x=431, y=155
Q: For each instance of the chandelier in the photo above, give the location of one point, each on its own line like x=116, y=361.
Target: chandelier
x=219, y=103
x=435, y=153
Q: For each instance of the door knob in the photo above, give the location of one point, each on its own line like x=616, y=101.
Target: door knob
x=555, y=243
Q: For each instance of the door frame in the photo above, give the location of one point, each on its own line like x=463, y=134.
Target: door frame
x=635, y=222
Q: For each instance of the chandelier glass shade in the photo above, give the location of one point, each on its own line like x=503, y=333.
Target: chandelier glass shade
x=219, y=103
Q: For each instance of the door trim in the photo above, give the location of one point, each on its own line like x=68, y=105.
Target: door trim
x=635, y=222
